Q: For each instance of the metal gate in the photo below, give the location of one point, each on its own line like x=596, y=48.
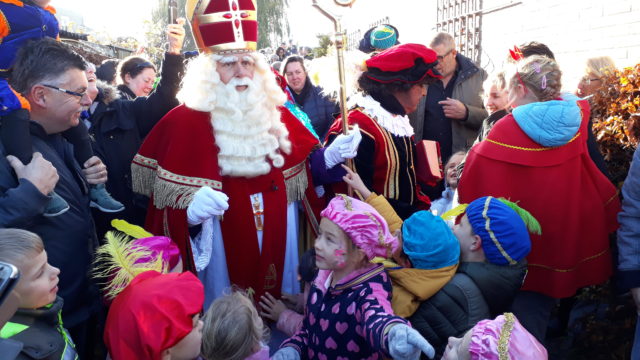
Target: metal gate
x=462, y=19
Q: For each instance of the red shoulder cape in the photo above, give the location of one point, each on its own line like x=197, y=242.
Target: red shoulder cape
x=574, y=202
x=179, y=156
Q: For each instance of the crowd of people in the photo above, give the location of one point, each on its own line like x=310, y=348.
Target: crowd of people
x=203, y=213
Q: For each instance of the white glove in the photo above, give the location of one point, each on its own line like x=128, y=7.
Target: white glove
x=406, y=343
x=343, y=147
x=206, y=204
x=286, y=353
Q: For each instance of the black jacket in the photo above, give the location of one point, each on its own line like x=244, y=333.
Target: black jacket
x=44, y=338
x=478, y=291
x=118, y=128
x=70, y=238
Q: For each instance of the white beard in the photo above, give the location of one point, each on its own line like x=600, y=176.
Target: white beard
x=246, y=124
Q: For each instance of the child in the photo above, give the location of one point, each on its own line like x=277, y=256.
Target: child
x=494, y=241
x=233, y=330
x=502, y=338
x=21, y=21
x=448, y=199
x=156, y=317
x=348, y=309
x=120, y=260
x=287, y=313
x=37, y=324
x=428, y=256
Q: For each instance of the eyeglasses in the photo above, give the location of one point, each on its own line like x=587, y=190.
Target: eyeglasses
x=76, y=94
x=441, y=57
x=587, y=81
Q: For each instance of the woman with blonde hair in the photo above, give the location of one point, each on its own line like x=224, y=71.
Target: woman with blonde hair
x=537, y=156
x=596, y=69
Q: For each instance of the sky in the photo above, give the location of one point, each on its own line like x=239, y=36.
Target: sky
x=126, y=17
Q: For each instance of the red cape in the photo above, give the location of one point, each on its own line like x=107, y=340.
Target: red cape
x=574, y=202
x=179, y=156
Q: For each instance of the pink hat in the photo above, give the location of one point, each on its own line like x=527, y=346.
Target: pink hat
x=158, y=245
x=363, y=224
x=504, y=338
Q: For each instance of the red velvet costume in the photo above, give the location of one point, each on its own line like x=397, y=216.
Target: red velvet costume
x=574, y=202
x=385, y=163
x=180, y=155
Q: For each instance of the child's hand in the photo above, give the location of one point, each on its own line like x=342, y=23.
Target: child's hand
x=271, y=308
x=405, y=343
x=353, y=179
x=290, y=301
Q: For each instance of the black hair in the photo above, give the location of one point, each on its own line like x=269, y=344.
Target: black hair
x=369, y=86
x=536, y=48
x=307, y=268
x=291, y=59
x=107, y=70
x=134, y=65
x=43, y=60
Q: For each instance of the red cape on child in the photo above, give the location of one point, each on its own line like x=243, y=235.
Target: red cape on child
x=574, y=202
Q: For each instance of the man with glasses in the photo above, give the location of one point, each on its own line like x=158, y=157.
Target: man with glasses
x=51, y=78
x=452, y=112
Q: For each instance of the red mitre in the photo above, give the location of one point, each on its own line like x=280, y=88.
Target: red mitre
x=224, y=26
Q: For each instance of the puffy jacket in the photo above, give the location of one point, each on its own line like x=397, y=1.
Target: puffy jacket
x=478, y=291
x=320, y=110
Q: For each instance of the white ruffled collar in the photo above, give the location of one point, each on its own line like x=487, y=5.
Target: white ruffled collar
x=396, y=124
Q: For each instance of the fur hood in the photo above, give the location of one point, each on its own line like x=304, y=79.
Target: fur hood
x=108, y=93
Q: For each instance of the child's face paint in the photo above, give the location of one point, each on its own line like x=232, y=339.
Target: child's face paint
x=330, y=246
x=340, y=256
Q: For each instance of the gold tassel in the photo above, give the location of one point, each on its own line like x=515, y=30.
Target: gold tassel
x=143, y=179
x=296, y=186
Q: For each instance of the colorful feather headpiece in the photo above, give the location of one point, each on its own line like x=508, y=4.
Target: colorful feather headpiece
x=116, y=261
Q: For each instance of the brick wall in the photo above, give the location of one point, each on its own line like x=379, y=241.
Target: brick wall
x=574, y=30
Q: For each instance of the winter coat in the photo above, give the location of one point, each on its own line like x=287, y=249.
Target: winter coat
x=69, y=238
x=319, y=108
x=478, y=291
x=629, y=232
x=467, y=89
x=350, y=319
x=118, y=128
x=41, y=333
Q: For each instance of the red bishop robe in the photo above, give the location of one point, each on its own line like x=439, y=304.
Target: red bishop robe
x=180, y=156
x=574, y=202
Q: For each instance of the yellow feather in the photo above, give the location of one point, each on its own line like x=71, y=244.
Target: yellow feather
x=454, y=212
x=115, y=263
x=134, y=231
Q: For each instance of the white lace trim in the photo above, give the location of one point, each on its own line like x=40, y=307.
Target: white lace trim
x=395, y=124
x=202, y=245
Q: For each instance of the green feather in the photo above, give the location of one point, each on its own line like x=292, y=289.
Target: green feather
x=532, y=224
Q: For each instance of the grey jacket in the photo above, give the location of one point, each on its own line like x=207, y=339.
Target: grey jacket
x=467, y=89
x=629, y=231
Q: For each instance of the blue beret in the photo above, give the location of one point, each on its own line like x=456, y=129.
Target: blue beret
x=383, y=37
x=429, y=242
x=505, y=238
